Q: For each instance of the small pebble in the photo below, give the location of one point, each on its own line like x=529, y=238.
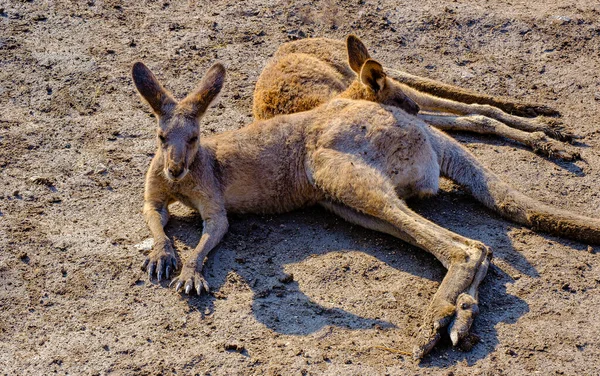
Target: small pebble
x=100, y=170
x=560, y=20
x=234, y=347
x=286, y=278
x=146, y=245
x=41, y=180
x=590, y=249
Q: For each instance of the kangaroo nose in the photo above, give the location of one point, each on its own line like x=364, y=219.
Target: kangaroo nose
x=414, y=109
x=175, y=172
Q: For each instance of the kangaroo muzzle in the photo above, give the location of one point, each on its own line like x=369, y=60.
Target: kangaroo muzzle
x=411, y=106
x=175, y=165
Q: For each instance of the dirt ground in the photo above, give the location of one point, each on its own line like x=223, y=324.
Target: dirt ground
x=301, y=293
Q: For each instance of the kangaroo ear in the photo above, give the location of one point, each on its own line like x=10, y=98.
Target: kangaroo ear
x=372, y=75
x=357, y=53
x=149, y=87
x=206, y=91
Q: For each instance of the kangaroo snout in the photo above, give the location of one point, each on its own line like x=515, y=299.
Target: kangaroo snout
x=411, y=106
x=175, y=166
x=175, y=172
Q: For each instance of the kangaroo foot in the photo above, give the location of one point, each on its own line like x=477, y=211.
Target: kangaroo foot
x=161, y=261
x=438, y=316
x=466, y=310
x=548, y=147
x=189, y=280
x=554, y=128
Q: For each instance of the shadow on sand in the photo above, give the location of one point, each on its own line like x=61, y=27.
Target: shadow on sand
x=260, y=248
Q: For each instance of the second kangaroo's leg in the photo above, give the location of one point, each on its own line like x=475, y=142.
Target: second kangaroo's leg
x=370, y=193
x=549, y=126
x=537, y=141
x=442, y=90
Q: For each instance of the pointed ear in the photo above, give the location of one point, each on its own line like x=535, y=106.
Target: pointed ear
x=199, y=100
x=357, y=53
x=149, y=87
x=372, y=75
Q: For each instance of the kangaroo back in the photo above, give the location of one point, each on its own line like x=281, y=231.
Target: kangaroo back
x=461, y=166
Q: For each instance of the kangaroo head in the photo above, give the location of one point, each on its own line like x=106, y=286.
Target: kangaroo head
x=375, y=83
x=178, y=122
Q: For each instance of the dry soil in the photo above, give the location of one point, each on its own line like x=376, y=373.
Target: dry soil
x=301, y=293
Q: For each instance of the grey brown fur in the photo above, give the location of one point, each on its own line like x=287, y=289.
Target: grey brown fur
x=359, y=159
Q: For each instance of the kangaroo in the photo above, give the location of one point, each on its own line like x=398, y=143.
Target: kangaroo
x=359, y=159
x=306, y=73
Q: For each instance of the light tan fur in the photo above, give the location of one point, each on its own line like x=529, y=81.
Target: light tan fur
x=306, y=73
x=358, y=158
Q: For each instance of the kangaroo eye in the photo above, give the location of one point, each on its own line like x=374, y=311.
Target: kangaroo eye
x=193, y=140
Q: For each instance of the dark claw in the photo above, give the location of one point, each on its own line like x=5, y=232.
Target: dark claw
x=188, y=287
x=151, y=270
x=159, y=271
x=145, y=264
x=174, y=262
x=167, y=271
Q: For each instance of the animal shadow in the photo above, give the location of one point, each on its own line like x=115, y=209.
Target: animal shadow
x=300, y=268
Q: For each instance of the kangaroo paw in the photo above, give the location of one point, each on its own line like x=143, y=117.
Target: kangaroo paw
x=189, y=280
x=554, y=128
x=161, y=261
x=533, y=110
x=551, y=148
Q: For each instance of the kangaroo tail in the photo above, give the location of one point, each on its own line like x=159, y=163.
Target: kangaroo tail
x=461, y=166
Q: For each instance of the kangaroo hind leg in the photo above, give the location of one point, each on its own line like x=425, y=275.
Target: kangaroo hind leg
x=551, y=127
x=442, y=90
x=363, y=195
x=537, y=141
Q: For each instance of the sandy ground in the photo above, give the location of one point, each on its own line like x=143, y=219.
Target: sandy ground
x=301, y=293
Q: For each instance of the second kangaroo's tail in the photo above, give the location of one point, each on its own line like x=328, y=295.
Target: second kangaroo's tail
x=461, y=166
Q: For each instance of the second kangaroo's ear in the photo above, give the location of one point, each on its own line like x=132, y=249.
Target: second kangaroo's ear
x=149, y=87
x=372, y=75
x=206, y=91
x=357, y=53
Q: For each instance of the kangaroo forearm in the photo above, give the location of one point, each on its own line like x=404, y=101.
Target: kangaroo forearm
x=537, y=141
x=213, y=233
x=156, y=220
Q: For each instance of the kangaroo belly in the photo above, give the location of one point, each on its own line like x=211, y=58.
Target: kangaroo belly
x=388, y=140
x=274, y=189
x=264, y=170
